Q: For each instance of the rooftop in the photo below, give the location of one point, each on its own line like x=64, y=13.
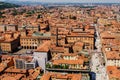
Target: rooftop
x=113, y=55
x=113, y=72
x=48, y=76
x=44, y=47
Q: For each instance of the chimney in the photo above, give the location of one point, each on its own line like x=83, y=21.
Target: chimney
x=57, y=36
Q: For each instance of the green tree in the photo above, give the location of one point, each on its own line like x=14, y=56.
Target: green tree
x=48, y=65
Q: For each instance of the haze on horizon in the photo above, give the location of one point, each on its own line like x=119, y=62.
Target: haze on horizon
x=70, y=1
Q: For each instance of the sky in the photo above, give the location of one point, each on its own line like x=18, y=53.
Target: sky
x=72, y=1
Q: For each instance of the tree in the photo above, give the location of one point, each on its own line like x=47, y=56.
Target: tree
x=65, y=66
x=48, y=65
x=39, y=16
x=56, y=66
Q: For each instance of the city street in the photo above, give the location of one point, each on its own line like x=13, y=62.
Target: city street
x=97, y=59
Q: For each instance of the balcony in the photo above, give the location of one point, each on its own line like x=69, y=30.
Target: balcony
x=66, y=68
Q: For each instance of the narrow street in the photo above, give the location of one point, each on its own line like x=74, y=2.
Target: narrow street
x=97, y=59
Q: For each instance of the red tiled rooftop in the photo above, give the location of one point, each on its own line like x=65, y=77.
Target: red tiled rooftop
x=47, y=76
x=44, y=47
x=113, y=72
x=113, y=55
x=61, y=61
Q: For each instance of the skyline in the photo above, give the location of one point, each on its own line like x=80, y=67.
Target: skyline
x=59, y=39
x=69, y=1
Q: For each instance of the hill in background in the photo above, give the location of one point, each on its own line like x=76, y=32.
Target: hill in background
x=4, y=5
